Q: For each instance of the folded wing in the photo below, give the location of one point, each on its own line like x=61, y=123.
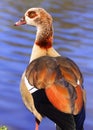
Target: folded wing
x=62, y=81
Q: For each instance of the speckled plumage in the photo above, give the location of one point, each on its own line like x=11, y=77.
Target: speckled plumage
x=60, y=95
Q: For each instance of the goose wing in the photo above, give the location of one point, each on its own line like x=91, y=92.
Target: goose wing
x=61, y=79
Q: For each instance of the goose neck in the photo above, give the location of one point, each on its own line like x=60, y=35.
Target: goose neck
x=44, y=37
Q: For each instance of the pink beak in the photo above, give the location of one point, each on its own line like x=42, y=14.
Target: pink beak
x=20, y=22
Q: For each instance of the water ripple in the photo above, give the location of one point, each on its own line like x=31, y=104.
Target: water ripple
x=73, y=38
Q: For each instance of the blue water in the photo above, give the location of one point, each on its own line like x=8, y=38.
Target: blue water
x=73, y=37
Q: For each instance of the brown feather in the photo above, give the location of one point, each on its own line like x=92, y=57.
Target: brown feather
x=58, y=76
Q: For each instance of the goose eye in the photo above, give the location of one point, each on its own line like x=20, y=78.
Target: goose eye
x=32, y=14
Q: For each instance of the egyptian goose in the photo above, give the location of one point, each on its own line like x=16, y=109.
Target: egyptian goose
x=51, y=85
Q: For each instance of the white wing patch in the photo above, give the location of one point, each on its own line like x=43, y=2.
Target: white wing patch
x=78, y=82
x=30, y=88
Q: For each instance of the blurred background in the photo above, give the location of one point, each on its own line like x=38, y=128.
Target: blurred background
x=73, y=38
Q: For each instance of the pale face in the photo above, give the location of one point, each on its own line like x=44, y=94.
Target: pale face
x=35, y=17
x=31, y=16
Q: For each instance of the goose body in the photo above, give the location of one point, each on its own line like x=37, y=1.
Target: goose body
x=51, y=85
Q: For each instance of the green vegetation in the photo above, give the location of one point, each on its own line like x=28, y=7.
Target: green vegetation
x=3, y=128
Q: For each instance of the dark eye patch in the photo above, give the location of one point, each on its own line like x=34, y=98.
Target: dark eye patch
x=32, y=14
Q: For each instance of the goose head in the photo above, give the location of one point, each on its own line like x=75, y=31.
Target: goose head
x=35, y=17
x=42, y=20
